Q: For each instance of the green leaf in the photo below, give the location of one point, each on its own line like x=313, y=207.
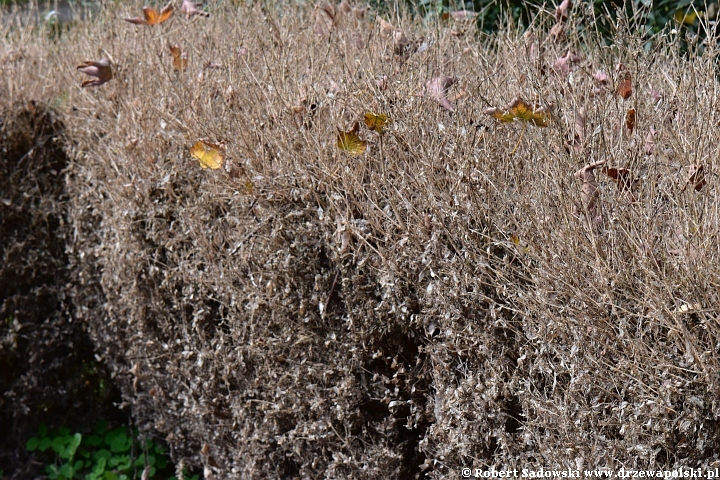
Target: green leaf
x=51, y=471
x=32, y=444
x=59, y=443
x=118, y=441
x=73, y=444
x=111, y=476
x=124, y=463
x=78, y=465
x=102, y=453
x=92, y=440
x=67, y=471
x=45, y=443
x=99, y=467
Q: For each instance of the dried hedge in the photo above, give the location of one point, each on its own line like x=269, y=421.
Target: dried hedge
x=444, y=300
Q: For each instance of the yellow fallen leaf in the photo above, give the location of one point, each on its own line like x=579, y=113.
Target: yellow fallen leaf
x=376, y=122
x=350, y=141
x=520, y=110
x=208, y=154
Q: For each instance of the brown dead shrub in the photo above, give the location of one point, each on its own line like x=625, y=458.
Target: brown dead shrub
x=446, y=300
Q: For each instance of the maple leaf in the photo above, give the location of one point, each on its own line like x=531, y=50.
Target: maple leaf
x=437, y=89
x=152, y=17
x=209, y=155
x=519, y=110
x=350, y=141
x=376, y=122
x=100, y=69
x=190, y=9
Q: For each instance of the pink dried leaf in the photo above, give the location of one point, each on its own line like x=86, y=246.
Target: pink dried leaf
x=565, y=63
x=562, y=12
x=463, y=15
x=580, y=122
x=650, y=142
x=437, y=89
x=589, y=191
x=601, y=78
x=557, y=31
x=100, y=69
x=190, y=9
x=386, y=28
x=656, y=96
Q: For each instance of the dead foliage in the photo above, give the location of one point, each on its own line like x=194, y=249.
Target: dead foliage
x=337, y=301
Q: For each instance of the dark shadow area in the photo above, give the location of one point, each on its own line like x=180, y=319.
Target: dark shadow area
x=48, y=371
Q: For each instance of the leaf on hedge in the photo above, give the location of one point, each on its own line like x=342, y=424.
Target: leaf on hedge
x=624, y=89
x=630, y=119
x=624, y=179
x=180, y=61
x=437, y=89
x=152, y=16
x=600, y=77
x=650, y=142
x=376, y=122
x=589, y=191
x=101, y=70
x=519, y=110
x=696, y=177
x=562, y=12
x=350, y=141
x=190, y=9
x=209, y=155
x=564, y=63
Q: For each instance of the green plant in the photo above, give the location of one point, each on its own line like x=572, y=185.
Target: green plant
x=107, y=454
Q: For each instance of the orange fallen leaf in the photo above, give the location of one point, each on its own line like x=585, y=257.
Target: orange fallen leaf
x=190, y=9
x=350, y=141
x=630, y=119
x=210, y=155
x=376, y=122
x=152, y=17
x=624, y=89
x=180, y=61
x=520, y=110
x=101, y=70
